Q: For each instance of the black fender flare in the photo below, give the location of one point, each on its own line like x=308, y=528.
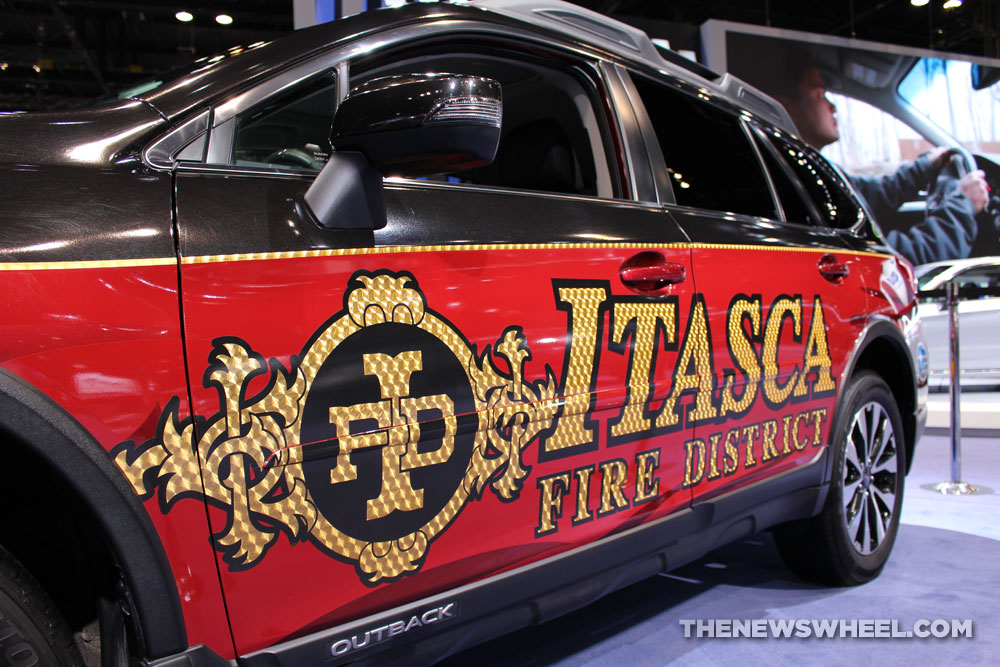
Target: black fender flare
x=877, y=330
x=45, y=429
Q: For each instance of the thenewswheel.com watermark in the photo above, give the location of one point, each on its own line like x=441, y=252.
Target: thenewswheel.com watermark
x=863, y=628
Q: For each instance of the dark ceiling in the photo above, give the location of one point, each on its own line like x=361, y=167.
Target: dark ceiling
x=59, y=53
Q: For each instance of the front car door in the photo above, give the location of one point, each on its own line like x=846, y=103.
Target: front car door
x=382, y=415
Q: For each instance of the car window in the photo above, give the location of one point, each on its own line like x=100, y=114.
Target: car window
x=552, y=139
x=791, y=193
x=943, y=91
x=709, y=158
x=291, y=130
x=924, y=278
x=984, y=276
x=824, y=185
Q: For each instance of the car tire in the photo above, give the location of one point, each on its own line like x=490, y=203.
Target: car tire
x=32, y=631
x=849, y=542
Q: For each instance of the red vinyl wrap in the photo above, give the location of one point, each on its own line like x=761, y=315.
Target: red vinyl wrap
x=105, y=344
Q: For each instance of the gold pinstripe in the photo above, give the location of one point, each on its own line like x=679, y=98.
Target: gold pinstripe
x=87, y=264
x=386, y=250
x=342, y=252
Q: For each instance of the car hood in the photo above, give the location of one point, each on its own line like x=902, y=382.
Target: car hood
x=98, y=135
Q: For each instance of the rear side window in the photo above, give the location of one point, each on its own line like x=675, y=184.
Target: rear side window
x=709, y=158
x=824, y=185
x=795, y=200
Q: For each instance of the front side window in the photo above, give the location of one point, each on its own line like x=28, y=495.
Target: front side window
x=708, y=155
x=291, y=131
x=552, y=138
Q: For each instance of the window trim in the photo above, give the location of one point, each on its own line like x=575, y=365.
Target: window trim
x=221, y=127
x=796, y=182
x=654, y=185
x=778, y=208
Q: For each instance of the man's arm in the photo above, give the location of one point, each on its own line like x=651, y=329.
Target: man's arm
x=886, y=194
x=946, y=233
x=950, y=227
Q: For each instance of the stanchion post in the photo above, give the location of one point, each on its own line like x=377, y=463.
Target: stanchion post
x=955, y=393
x=956, y=487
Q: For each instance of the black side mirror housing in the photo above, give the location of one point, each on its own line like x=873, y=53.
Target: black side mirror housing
x=421, y=124
x=984, y=76
x=406, y=125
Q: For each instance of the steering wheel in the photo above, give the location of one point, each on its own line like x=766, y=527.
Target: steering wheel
x=944, y=179
x=294, y=157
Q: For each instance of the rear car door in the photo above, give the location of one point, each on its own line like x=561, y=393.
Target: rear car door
x=777, y=307
x=383, y=415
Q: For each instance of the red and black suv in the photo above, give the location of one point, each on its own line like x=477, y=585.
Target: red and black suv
x=423, y=325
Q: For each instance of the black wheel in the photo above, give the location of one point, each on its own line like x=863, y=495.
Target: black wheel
x=849, y=542
x=31, y=631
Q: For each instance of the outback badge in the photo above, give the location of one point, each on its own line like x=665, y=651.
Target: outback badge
x=384, y=428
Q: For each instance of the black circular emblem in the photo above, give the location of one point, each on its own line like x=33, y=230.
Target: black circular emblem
x=398, y=472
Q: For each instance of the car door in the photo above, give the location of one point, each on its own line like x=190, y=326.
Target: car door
x=385, y=414
x=776, y=301
x=978, y=317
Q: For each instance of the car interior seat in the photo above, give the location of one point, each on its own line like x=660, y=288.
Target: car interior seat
x=537, y=156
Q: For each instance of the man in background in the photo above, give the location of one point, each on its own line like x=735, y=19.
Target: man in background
x=950, y=227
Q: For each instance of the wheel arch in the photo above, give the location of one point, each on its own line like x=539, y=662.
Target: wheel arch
x=883, y=349
x=35, y=424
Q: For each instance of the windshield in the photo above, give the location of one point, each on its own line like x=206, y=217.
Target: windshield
x=929, y=275
x=942, y=91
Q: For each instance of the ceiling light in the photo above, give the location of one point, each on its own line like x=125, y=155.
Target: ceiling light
x=919, y=3
x=224, y=19
x=952, y=4
x=184, y=17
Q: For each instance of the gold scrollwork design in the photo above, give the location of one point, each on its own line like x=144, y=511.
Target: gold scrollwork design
x=250, y=453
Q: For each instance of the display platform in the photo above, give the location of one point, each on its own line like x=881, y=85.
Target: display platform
x=945, y=565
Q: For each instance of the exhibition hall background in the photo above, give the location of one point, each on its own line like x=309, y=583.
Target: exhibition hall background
x=61, y=53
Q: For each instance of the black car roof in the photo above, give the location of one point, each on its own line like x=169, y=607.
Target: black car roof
x=240, y=68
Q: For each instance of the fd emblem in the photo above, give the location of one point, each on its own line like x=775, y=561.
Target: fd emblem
x=384, y=428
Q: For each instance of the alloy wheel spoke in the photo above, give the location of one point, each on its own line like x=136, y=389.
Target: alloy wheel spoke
x=851, y=453
x=884, y=435
x=871, y=463
x=862, y=423
x=850, y=491
x=887, y=498
x=877, y=519
x=886, y=465
x=855, y=526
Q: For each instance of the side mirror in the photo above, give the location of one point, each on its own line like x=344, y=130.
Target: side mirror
x=984, y=76
x=421, y=124
x=405, y=125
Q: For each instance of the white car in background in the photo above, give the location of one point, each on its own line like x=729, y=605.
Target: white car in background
x=978, y=322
